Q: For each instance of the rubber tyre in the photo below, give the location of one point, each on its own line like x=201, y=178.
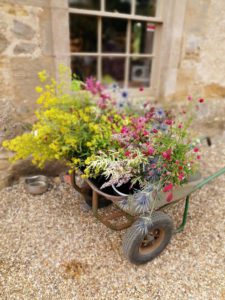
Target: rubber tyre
x=133, y=239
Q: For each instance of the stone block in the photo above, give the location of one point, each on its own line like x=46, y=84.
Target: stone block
x=214, y=90
x=4, y=165
x=3, y=43
x=22, y=30
x=24, y=48
x=24, y=77
x=4, y=182
x=14, y=9
x=37, y=3
x=25, y=168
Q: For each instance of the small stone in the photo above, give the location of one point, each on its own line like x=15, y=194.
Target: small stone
x=3, y=43
x=22, y=31
x=24, y=48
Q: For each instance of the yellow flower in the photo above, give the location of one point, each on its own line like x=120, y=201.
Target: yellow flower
x=39, y=89
x=43, y=76
x=76, y=160
x=89, y=144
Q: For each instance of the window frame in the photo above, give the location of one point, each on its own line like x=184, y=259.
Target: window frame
x=157, y=20
x=170, y=18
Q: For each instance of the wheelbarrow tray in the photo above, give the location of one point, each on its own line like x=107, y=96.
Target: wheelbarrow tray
x=179, y=192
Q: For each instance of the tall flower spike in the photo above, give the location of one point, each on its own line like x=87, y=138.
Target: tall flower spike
x=124, y=205
x=142, y=202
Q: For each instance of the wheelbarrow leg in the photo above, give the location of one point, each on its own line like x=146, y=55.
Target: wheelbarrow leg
x=95, y=203
x=185, y=213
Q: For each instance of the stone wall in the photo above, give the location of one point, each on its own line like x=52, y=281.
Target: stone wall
x=193, y=63
x=25, y=49
x=200, y=70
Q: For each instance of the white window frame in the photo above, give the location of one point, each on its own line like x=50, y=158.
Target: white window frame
x=157, y=20
x=170, y=15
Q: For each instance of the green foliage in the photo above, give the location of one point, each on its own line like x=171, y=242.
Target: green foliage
x=69, y=125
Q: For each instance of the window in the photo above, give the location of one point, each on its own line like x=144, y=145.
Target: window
x=115, y=40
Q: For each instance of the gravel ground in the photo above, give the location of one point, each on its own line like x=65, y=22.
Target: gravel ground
x=51, y=247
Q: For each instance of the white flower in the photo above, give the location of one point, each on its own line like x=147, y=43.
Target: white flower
x=35, y=132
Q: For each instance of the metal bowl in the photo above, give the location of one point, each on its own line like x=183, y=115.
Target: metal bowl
x=36, y=185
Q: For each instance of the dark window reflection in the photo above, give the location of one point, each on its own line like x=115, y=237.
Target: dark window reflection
x=140, y=70
x=85, y=4
x=114, y=35
x=84, y=67
x=113, y=70
x=83, y=33
x=142, y=37
x=146, y=7
x=121, y=6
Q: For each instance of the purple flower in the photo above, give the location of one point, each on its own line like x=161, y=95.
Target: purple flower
x=142, y=202
x=114, y=86
x=159, y=113
x=124, y=94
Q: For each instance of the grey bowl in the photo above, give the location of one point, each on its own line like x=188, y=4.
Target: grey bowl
x=36, y=185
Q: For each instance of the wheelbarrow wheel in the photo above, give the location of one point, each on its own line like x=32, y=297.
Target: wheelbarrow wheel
x=139, y=247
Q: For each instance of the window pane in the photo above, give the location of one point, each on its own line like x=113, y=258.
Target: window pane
x=84, y=67
x=121, y=6
x=114, y=35
x=140, y=70
x=83, y=33
x=142, y=37
x=113, y=70
x=146, y=7
x=85, y=4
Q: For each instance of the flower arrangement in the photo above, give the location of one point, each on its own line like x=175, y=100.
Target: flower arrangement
x=97, y=131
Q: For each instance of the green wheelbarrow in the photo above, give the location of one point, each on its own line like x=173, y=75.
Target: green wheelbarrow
x=140, y=246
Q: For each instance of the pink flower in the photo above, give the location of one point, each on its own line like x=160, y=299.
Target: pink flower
x=167, y=154
x=141, y=88
x=155, y=130
x=198, y=157
x=196, y=149
x=124, y=130
x=141, y=120
x=180, y=125
x=105, y=96
x=150, y=150
x=101, y=103
x=189, y=98
x=145, y=133
x=201, y=100
x=93, y=86
x=169, y=122
x=169, y=197
x=127, y=153
x=181, y=176
x=168, y=187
